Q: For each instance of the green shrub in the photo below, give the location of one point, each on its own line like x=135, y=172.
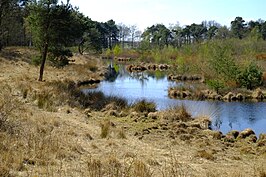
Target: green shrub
x=59, y=57
x=117, y=50
x=108, y=53
x=251, y=76
x=222, y=63
x=215, y=84
x=144, y=45
x=36, y=60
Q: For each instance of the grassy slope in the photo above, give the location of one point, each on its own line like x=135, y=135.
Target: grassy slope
x=67, y=141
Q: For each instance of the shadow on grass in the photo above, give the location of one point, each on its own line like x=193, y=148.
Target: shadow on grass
x=71, y=93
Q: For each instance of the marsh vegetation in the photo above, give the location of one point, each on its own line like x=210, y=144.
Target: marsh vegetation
x=53, y=127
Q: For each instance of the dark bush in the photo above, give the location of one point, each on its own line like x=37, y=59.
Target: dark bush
x=250, y=77
x=96, y=100
x=59, y=57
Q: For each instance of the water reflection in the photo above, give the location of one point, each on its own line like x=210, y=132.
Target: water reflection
x=142, y=77
x=239, y=115
x=111, y=73
x=225, y=116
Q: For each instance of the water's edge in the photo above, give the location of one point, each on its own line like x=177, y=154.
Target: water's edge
x=225, y=116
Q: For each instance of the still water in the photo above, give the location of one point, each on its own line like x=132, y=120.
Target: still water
x=225, y=116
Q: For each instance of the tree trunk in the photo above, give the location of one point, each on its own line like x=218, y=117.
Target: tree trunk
x=44, y=55
x=1, y=46
x=132, y=41
x=123, y=42
x=81, y=46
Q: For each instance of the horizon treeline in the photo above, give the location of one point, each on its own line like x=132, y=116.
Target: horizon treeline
x=15, y=31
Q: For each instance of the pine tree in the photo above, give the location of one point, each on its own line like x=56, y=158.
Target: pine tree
x=53, y=28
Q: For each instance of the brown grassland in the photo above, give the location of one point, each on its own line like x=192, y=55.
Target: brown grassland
x=46, y=129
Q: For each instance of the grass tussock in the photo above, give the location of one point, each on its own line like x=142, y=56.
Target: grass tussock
x=122, y=133
x=205, y=155
x=178, y=113
x=144, y=106
x=110, y=130
x=141, y=169
x=105, y=128
x=58, y=93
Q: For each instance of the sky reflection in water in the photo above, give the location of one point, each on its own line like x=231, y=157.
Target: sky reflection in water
x=225, y=116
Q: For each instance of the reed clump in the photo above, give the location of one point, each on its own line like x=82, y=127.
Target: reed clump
x=144, y=106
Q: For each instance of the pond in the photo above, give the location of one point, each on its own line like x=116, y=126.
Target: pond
x=154, y=86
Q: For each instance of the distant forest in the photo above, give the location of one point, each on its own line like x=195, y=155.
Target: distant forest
x=21, y=21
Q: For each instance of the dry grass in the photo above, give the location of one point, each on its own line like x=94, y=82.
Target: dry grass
x=7, y=105
x=35, y=141
x=205, y=154
x=112, y=166
x=176, y=168
x=122, y=133
x=178, y=113
x=105, y=128
x=260, y=170
x=29, y=144
x=45, y=101
x=144, y=106
x=110, y=130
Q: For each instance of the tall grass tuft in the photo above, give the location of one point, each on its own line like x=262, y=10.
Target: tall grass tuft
x=141, y=169
x=144, y=106
x=105, y=128
x=114, y=167
x=94, y=168
x=121, y=133
x=178, y=113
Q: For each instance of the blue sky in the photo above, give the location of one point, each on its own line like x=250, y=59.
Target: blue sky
x=145, y=13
